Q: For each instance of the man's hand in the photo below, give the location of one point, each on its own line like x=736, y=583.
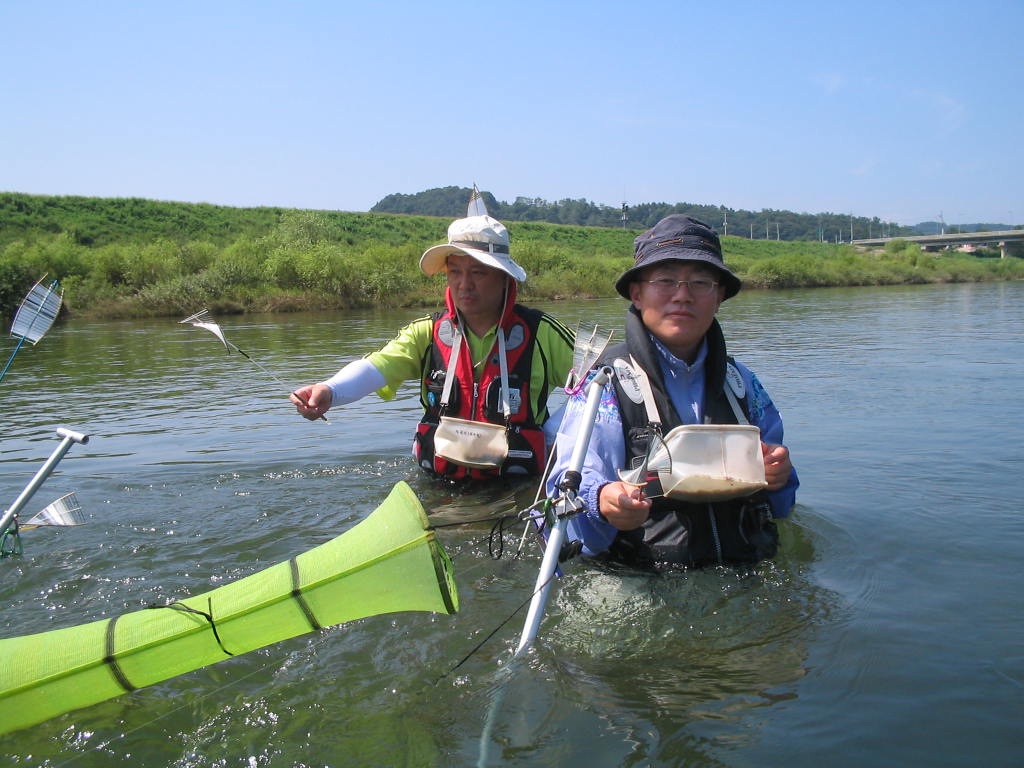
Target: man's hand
x=624, y=506
x=777, y=466
x=312, y=401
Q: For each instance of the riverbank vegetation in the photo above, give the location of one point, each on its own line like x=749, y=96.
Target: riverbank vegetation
x=120, y=258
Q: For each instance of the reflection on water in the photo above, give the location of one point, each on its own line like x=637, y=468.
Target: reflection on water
x=893, y=603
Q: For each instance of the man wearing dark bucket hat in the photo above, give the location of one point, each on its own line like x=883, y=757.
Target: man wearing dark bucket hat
x=485, y=360
x=673, y=370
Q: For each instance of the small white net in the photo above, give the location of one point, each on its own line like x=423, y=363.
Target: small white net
x=590, y=344
x=37, y=312
x=64, y=511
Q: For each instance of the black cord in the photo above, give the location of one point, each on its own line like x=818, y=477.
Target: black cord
x=499, y=529
x=494, y=631
x=490, y=519
x=179, y=606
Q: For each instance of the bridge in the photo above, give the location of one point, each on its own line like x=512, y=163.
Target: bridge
x=934, y=242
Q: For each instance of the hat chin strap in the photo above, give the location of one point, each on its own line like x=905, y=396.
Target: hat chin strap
x=511, y=294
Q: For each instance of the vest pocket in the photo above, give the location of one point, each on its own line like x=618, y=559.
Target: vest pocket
x=523, y=457
x=434, y=384
x=492, y=398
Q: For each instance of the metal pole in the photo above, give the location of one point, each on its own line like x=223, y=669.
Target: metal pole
x=550, y=560
x=11, y=358
x=568, y=503
x=40, y=476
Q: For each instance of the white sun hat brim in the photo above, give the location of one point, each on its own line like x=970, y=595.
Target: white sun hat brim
x=434, y=260
x=480, y=237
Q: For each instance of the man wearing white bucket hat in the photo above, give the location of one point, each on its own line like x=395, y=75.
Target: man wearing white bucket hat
x=662, y=484
x=485, y=363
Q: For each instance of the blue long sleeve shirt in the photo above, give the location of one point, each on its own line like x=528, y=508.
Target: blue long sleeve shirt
x=606, y=452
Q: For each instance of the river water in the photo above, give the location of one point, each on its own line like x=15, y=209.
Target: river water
x=889, y=631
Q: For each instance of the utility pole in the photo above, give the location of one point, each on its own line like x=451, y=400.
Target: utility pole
x=625, y=214
x=725, y=221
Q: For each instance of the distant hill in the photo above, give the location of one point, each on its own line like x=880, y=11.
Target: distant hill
x=450, y=202
x=97, y=221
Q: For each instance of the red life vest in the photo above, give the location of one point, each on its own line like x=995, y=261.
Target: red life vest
x=481, y=401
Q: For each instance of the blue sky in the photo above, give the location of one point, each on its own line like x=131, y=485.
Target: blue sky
x=901, y=110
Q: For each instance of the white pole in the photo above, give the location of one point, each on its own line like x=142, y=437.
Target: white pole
x=41, y=475
x=554, y=546
x=567, y=504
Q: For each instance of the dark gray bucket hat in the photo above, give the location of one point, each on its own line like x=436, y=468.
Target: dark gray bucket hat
x=678, y=238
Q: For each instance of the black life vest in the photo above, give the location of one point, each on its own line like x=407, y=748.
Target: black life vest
x=679, y=532
x=481, y=401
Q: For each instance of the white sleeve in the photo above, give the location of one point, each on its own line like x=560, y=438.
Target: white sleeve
x=356, y=380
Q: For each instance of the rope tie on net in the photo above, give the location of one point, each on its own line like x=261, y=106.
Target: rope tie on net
x=179, y=606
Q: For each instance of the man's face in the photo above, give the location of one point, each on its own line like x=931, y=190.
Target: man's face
x=477, y=290
x=676, y=314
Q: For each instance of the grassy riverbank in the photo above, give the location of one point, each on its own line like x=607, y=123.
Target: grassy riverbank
x=140, y=258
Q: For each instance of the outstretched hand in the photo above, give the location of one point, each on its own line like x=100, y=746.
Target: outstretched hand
x=777, y=465
x=312, y=401
x=623, y=505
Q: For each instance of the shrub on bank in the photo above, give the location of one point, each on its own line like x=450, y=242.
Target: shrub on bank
x=314, y=260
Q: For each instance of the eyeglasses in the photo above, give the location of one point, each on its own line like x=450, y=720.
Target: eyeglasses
x=698, y=287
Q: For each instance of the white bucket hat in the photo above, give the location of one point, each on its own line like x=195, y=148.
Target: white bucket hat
x=479, y=236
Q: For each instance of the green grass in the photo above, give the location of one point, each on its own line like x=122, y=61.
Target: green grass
x=139, y=258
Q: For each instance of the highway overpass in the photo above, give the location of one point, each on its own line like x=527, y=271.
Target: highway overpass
x=934, y=242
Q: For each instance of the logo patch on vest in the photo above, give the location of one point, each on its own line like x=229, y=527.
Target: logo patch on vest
x=735, y=381
x=515, y=337
x=515, y=400
x=446, y=332
x=627, y=380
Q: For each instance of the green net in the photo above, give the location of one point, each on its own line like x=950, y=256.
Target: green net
x=387, y=563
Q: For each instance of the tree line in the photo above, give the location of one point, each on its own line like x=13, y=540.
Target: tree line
x=766, y=224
